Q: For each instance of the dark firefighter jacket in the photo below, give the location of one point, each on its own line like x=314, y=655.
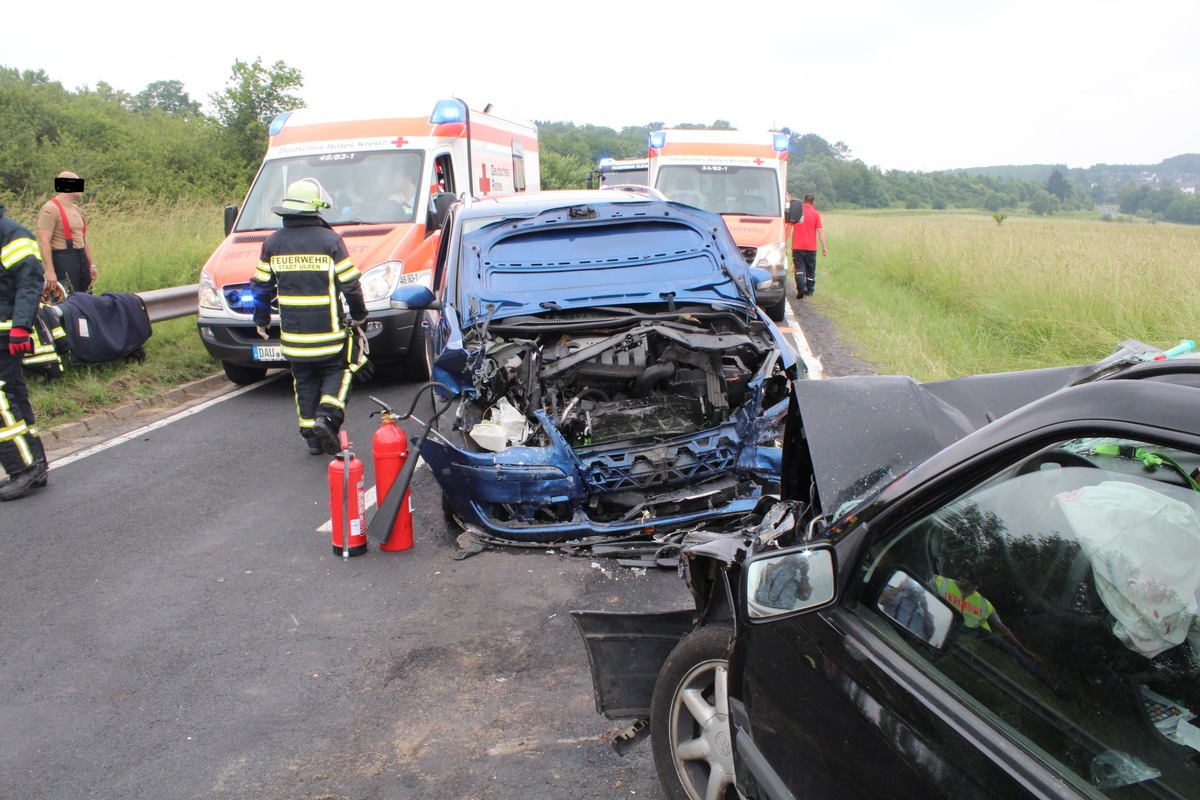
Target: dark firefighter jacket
x=21, y=278
x=306, y=265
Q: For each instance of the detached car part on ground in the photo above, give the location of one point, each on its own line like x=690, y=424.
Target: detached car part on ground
x=611, y=370
x=981, y=587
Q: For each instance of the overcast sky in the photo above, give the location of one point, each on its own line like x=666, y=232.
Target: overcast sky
x=906, y=84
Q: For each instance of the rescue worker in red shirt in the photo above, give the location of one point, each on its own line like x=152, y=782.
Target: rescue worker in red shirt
x=805, y=234
x=306, y=266
x=21, y=279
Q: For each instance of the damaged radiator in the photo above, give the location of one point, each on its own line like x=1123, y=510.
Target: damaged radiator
x=644, y=418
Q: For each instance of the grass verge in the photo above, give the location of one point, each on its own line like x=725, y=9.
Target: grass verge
x=941, y=296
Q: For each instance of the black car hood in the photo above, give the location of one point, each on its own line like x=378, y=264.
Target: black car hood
x=863, y=432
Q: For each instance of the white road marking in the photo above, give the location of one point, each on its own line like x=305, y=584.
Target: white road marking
x=815, y=370
x=153, y=426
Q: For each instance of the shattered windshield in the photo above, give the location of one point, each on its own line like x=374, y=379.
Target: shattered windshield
x=360, y=187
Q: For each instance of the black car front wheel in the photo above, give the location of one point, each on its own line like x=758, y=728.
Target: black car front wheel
x=689, y=718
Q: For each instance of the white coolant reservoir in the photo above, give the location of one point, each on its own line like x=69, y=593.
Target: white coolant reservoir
x=504, y=426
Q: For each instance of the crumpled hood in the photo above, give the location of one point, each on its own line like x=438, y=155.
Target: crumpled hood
x=573, y=260
x=863, y=432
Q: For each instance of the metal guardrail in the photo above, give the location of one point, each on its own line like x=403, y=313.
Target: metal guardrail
x=172, y=303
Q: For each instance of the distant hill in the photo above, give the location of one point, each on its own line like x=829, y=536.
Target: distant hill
x=1182, y=171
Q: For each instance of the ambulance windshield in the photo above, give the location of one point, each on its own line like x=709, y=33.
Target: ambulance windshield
x=362, y=187
x=721, y=188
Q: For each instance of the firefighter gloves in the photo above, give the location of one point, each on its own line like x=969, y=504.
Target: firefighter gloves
x=19, y=342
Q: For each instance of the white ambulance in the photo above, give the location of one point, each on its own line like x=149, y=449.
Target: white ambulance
x=391, y=180
x=741, y=176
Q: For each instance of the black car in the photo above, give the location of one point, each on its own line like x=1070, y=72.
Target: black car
x=981, y=587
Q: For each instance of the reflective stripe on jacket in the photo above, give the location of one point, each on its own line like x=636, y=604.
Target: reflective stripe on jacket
x=306, y=266
x=21, y=277
x=975, y=608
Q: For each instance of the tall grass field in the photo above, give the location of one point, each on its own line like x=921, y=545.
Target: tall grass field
x=941, y=295
x=138, y=246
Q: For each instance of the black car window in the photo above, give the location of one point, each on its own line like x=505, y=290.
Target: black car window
x=1075, y=581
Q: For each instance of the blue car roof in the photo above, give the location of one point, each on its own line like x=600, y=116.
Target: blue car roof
x=525, y=253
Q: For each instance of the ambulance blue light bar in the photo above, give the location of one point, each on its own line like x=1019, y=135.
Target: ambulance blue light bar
x=658, y=139
x=781, y=142
x=278, y=123
x=450, y=110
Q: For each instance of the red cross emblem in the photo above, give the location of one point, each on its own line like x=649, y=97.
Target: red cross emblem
x=758, y=161
x=399, y=141
x=485, y=183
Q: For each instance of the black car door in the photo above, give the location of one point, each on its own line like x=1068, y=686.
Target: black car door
x=1069, y=666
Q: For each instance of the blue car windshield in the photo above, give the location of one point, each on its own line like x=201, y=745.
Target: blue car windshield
x=606, y=260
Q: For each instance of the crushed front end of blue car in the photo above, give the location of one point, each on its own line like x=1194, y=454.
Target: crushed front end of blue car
x=613, y=375
x=631, y=428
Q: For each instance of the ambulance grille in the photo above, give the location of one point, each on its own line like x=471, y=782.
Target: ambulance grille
x=365, y=232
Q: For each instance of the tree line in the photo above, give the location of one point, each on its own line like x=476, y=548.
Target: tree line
x=159, y=143
x=153, y=144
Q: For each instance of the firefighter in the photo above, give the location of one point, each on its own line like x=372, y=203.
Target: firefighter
x=22, y=277
x=306, y=266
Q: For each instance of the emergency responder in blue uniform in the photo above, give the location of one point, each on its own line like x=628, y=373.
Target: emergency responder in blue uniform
x=22, y=277
x=306, y=266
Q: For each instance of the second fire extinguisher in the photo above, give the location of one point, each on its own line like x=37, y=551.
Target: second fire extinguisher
x=347, y=508
x=390, y=450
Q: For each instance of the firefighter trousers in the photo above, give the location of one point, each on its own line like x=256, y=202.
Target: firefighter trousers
x=322, y=389
x=20, y=445
x=72, y=268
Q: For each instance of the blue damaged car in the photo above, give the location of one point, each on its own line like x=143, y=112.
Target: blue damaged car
x=608, y=372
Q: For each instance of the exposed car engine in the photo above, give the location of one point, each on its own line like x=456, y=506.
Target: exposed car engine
x=643, y=380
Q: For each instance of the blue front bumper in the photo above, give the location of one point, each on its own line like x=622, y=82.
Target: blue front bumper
x=556, y=493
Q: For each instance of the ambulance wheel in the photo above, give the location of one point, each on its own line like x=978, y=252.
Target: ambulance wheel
x=243, y=375
x=416, y=360
x=778, y=311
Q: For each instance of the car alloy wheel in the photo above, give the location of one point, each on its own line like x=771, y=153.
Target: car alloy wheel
x=690, y=734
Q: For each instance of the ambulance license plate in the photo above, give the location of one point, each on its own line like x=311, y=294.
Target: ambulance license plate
x=268, y=353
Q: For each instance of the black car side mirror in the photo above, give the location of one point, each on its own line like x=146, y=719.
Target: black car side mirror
x=787, y=581
x=916, y=609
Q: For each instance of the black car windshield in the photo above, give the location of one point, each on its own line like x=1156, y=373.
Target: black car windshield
x=360, y=187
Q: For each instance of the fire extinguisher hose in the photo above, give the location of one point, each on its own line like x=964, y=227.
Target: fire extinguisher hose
x=345, y=495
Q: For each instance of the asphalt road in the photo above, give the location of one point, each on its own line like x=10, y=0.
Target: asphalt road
x=175, y=624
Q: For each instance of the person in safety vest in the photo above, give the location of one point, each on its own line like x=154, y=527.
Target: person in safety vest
x=981, y=620
x=62, y=237
x=21, y=279
x=306, y=266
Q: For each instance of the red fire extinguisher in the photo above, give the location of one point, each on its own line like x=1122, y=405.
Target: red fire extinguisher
x=390, y=450
x=347, y=507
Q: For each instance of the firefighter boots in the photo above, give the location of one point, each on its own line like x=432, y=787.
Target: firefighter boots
x=24, y=482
